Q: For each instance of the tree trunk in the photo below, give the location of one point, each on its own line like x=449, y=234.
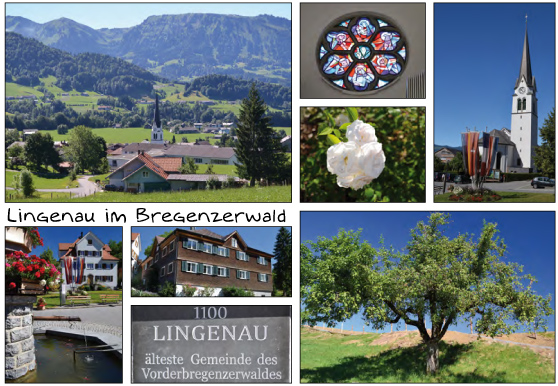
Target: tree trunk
x=432, y=361
x=252, y=182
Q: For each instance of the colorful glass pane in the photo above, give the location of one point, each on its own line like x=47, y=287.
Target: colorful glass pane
x=340, y=41
x=361, y=76
x=323, y=51
x=403, y=52
x=339, y=83
x=337, y=64
x=363, y=30
x=386, y=65
x=382, y=23
x=362, y=52
x=386, y=41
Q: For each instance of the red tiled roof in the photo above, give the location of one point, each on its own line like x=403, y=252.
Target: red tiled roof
x=134, y=236
x=108, y=256
x=107, y=248
x=169, y=164
x=149, y=163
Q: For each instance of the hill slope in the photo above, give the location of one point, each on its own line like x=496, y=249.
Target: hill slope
x=180, y=46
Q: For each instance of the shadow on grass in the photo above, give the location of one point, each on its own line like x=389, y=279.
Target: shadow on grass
x=400, y=365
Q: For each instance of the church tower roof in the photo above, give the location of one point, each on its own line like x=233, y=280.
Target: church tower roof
x=156, y=116
x=525, y=69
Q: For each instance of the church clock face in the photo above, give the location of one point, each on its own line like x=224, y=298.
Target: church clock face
x=522, y=90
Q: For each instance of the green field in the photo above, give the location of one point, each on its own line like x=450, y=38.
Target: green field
x=506, y=197
x=53, y=299
x=336, y=358
x=255, y=194
x=46, y=181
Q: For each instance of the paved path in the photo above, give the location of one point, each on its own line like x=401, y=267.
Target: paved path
x=518, y=343
x=86, y=188
x=514, y=186
x=109, y=315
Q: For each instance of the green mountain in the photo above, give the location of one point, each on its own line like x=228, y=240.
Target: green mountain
x=180, y=46
x=27, y=60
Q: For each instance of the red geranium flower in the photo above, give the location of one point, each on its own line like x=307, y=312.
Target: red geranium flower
x=12, y=285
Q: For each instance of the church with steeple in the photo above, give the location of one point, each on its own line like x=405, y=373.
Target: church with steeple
x=516, y=146
x=157, y=127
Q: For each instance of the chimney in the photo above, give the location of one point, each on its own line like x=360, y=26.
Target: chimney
x=81, y=236
x=192, y=228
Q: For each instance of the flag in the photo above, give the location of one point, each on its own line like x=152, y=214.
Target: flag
x=489, y=148
x=470, y=147
x=68, y=263
x=80, y=269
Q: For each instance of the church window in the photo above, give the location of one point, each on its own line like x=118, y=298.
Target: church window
x=361, y=53
x=524, y=104
x=518, y=104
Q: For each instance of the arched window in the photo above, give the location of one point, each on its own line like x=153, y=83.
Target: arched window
x=518, y=104
x=361, y=52
x=524, y=104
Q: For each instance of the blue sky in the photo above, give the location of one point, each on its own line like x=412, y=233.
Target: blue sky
x=477, y=55
x=530, y=238
x=122, y=15
x=262, y=238
x=54, y=235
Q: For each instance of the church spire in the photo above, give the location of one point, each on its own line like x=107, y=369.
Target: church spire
x=156, y=116
x=525, y=69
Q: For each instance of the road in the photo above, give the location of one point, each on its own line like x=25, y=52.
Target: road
x=515, y=186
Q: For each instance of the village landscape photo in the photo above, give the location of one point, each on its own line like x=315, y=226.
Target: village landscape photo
x=494, y=122
x=177, y=103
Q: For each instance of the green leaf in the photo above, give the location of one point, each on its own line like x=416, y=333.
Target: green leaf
x=332, y=139
x=352, y=113
x=337, y=132
x=325, y=131
x=329, y=118
x=344, y=126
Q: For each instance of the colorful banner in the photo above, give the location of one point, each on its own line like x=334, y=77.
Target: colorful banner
x=68, y=262
x=489, y=148
x=80, y=269
x=470, y=147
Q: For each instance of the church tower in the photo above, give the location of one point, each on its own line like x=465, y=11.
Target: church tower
x=524, y=121
x=157, y=128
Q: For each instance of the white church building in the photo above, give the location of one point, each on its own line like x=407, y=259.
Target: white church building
x=157, y=126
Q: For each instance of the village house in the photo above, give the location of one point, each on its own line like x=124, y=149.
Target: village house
x=202, y=258
x=136, y=249
x=100, y=266
x=446, y=154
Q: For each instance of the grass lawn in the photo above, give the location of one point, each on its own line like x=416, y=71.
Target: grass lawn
x=336, y=358
x=53, y=299
x=45, y=181
x=256, y=194
x=507, y=197
x=100, y=177
x=288, y=130
x=130, y=135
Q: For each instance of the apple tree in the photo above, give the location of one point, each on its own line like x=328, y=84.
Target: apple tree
x=433, y=283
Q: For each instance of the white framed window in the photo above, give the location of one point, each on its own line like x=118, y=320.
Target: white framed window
x=222, y=271
x=90, y=266
x=223, y=251
x=190, y=244
x=242, y=256
x=234, y=243
x=171, y=246
x=198, y=160
x=162, y=271
x=242, y=275
x=156, y=256
x=169, y=268
x=188, y=266
x=89, y=242
x=262, y=260
x=207, y=269
x=208, y=248
x=145, y=174
x=81, y=253
x=262, y=277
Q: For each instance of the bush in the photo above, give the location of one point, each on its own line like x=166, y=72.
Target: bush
x=207, y=292
x=509, y=177
x=84, y=287
x=212, y=183
x=187, y=291
x=137, y=282
x=73, y=174
x=137, y=293
x=168, y=290
x=26, y=183
x=402, y=134
x=236, y=292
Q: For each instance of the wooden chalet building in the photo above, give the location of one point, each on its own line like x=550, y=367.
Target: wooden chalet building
x=201, y=258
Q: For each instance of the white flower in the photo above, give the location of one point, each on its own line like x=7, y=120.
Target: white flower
x=342, y=158
x=372, y=159
x=42, y=283
x=354, y=181
x=361, y=133
x=51, y=284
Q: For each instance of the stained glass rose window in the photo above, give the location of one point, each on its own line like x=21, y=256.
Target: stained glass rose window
x=361, y=53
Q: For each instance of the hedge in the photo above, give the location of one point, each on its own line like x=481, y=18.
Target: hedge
x=509, y=177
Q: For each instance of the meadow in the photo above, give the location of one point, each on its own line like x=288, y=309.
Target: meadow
x=337, y=358
x=246, y=194
x=44, y=181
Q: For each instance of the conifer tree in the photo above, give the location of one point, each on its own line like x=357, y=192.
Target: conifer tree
x=283, y=265
x=545, y=154
x=258, y=151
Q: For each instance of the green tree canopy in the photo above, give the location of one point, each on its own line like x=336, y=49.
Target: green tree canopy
x=545, y=154
x=283, y=266
x=434, y=279
x=189, y=167
x=39, y=151
x=86, y=150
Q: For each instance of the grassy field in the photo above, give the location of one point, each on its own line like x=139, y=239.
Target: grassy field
x=256, y=194
x=507, y=197
x=47, y=181
x=336, y=358
x=53, y=299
